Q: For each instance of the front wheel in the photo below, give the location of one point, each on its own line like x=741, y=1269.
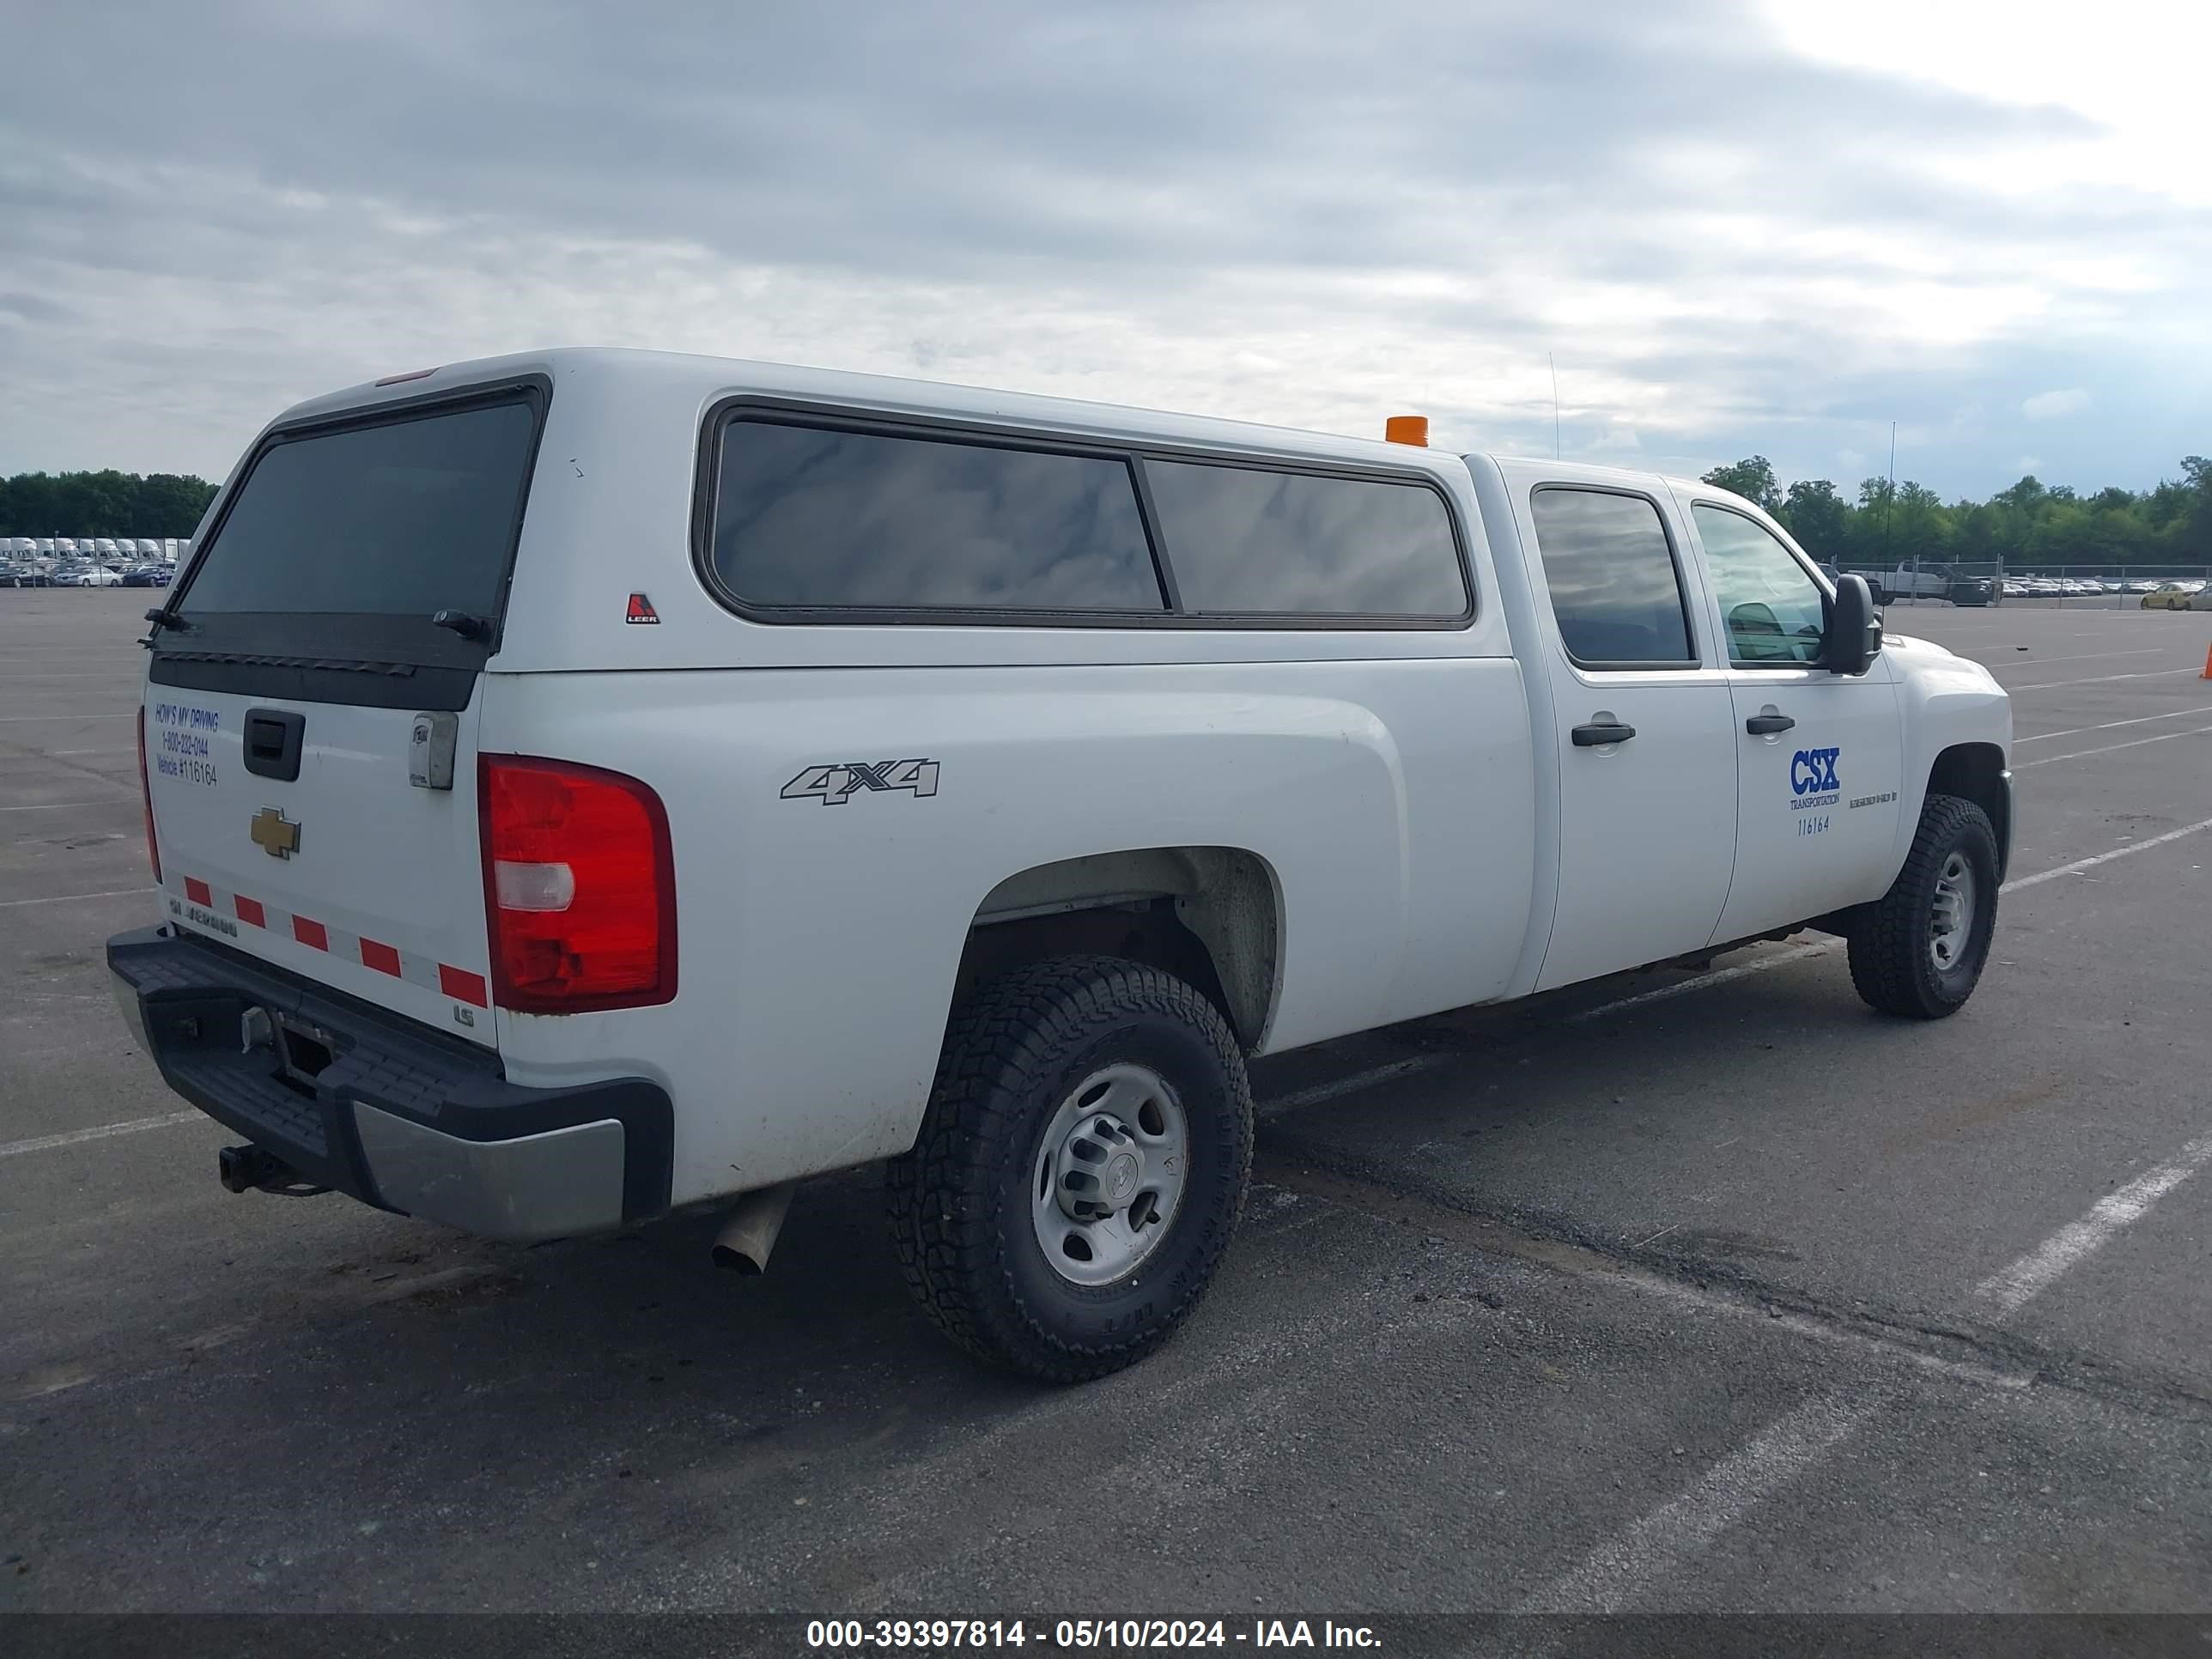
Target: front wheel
x=1919, y=950
x=1080, y=1169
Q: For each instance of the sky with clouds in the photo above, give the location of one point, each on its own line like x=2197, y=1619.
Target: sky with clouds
x=1737, y=225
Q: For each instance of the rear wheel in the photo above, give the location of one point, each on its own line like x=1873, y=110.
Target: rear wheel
x=1080, y=1169
x=1919, y=950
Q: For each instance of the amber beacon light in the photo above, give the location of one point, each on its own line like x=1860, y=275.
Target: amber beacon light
x=1407, y=429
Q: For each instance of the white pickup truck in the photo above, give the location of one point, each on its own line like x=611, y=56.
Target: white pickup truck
x=592, y=783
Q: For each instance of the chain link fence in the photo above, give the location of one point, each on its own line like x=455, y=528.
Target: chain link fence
x=1990, y=582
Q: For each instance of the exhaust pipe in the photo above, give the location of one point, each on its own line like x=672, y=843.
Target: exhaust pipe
x=748, y=1235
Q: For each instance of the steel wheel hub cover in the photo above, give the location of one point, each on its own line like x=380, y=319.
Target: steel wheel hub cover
x=1109, y=1174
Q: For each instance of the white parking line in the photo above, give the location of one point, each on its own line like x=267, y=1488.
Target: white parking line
x=1611, y=1577
x=1658, y=1546
x=2091, y=863
x=2084, y=656
x=2100, y=679
x=2135, y=743
x=105, y=1130
x=2034, y=1273
x=1722, y=976
x=1345, y=1085
x=2139, y=720
x=65, y=898
x=1823, y=947
x=58, y=805
x=33, y=720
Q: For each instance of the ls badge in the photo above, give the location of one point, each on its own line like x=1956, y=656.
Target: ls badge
x=274, y=834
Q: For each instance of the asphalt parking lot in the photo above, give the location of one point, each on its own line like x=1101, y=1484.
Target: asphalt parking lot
x=1679, y=1293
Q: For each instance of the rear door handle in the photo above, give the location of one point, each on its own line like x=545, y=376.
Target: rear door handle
x=1761, y=725
x=273, y=740
x=1593, y=733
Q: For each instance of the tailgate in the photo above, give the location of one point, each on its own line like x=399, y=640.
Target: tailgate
x=345, y=872
x=310, y=715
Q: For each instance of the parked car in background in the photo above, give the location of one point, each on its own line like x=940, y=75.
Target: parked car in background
x=100, y=576
x=1929, y=582
x=1971, y=590
x=24, y=575
x=2177, y=596
x=147, y=575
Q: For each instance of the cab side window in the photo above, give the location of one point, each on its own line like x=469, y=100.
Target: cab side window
x=1774, y=609
x=1615, y=591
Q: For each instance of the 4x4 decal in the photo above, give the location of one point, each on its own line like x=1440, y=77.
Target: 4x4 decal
x=833, y=785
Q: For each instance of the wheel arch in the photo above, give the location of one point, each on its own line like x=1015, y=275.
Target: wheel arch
x=1977, y=772
x=1212, y=915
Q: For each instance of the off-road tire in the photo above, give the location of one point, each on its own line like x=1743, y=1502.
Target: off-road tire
x=1892, y=967
x=959, y=1203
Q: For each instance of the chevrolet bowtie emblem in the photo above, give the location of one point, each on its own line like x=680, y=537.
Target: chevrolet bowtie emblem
x=274, y=834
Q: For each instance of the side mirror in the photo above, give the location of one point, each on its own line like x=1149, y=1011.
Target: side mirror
x=1854, y=636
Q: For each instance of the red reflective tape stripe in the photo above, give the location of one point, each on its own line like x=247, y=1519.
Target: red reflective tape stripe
x=467, y=987
x=311, y=933
x=197, y=890
x=382, y=957
x=249, y=910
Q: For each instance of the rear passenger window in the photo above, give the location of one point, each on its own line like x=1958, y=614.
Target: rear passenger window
x=1244, y=541
x=814, y=516
x=1615, y=591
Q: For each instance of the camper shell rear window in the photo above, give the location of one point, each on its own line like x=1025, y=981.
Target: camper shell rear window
x=344, y=538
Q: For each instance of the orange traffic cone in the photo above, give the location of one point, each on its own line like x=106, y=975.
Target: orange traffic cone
x=2207, y=674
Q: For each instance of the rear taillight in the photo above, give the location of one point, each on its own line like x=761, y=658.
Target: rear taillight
x=580, y=887
x=146, y=799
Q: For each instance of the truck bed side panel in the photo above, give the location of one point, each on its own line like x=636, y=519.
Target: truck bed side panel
x=1391, y=801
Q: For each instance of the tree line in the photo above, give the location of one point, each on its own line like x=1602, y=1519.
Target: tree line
x=109, y=503
x=2029, y=524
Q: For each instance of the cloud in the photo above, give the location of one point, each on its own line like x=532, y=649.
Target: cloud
x=2050, y=406
x=1275, y=211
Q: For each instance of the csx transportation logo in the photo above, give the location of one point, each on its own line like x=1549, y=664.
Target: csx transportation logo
x=1812, y=770
x=1813, y=779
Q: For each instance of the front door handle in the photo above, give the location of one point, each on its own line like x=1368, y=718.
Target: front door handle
x=1764, y=725
x=1589, y=736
